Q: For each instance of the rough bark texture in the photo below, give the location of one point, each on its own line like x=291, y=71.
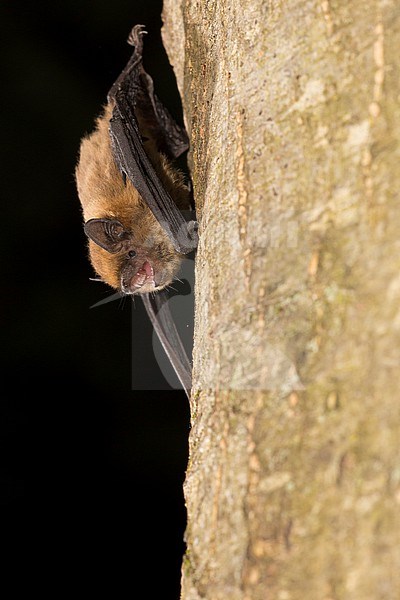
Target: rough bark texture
x=293, y=482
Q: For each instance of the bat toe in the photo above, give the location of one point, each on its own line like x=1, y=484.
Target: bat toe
x=136, y=31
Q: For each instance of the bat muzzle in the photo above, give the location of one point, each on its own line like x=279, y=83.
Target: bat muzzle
x=141, y=282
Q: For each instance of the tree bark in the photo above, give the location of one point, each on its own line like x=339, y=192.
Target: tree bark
x=293, y=482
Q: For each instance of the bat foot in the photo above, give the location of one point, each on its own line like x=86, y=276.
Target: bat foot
x=134, y=38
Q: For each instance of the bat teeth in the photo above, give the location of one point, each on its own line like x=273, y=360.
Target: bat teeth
x=145, y=275
x=148, y=269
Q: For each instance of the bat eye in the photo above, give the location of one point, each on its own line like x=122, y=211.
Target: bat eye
x=131, y=254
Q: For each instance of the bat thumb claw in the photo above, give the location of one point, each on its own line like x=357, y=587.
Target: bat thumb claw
x=193, y=227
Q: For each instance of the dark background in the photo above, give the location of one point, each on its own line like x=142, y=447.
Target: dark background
x=92, y=471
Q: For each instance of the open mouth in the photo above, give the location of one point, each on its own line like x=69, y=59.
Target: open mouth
x=143, y=278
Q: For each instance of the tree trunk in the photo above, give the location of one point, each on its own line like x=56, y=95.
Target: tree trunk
x=293, y=482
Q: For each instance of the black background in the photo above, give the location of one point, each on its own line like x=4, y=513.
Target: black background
x=92, y=471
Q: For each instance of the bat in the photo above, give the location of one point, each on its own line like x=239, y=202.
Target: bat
x=136, y=204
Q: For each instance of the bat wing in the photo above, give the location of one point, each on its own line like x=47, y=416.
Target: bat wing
x=132, y=92
x=132, y=95
x=159, y=313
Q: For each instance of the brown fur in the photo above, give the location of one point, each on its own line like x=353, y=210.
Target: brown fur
x=103, y=194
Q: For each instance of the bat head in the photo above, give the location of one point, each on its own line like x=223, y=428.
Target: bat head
x=127, y=260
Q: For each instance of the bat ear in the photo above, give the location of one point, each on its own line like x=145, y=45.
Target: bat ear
x=106, y=233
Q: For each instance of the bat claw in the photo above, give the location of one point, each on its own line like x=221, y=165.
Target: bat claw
x=133, y=38
x=193, y=230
